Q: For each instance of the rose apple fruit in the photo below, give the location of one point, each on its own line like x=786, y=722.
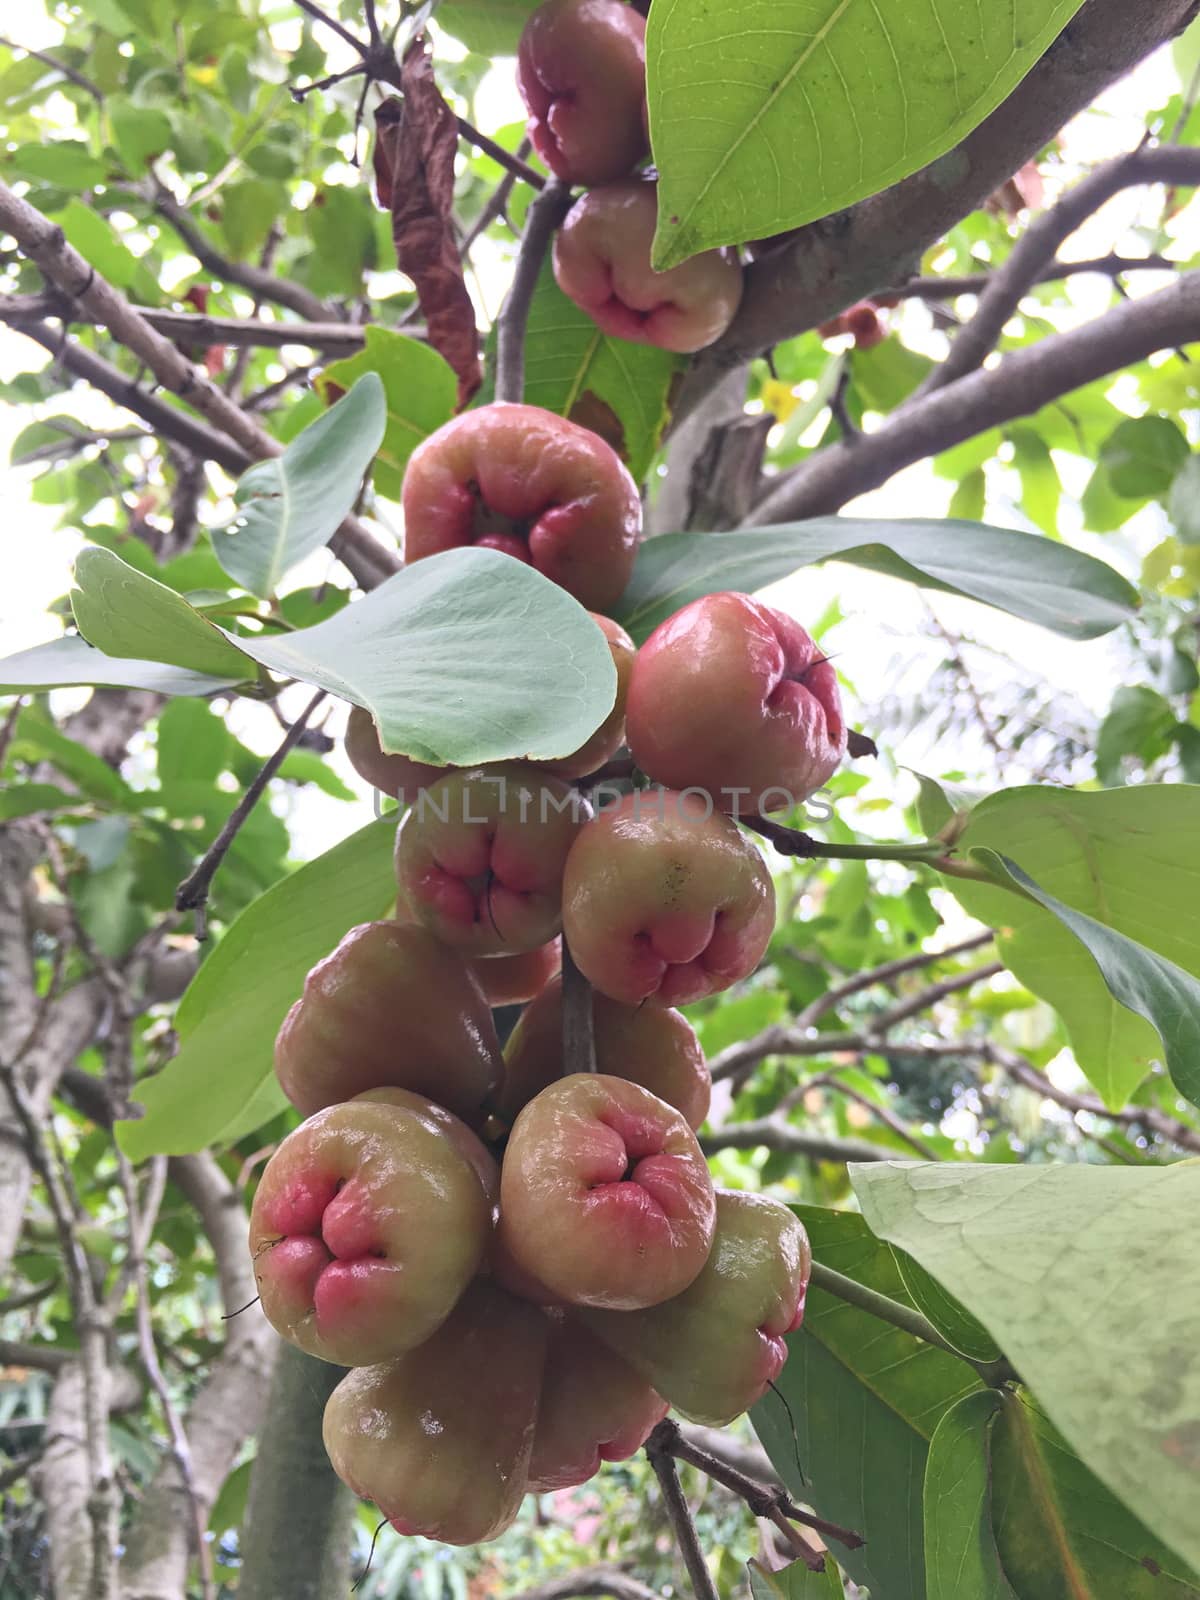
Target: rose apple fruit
x=713, y=1350
x=595, y=1407
x=733, y=697
x=665, y=900
x=440, y=1438
x=390, y=1007
x=581, y=71
x=654, y=1046
x=399, y=776
x=602, y=262
x=512, y=980
x=605, y=1197
x=480, y=858
x=530, y=483
x=370, y=1220
x=610, y=735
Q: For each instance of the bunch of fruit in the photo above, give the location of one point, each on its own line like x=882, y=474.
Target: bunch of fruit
x=523, y=1260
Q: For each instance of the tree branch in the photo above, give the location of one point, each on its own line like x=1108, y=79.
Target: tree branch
x=1040, y=243
x=662, y=1460
x=543, y=217
x=199, y=328
x=578, y=1027
x=600, y=1580
x=1023, y=382
x=773, y=1133
x=45, y=244
x=825, y=267
x=885, y=973
x=951, y=286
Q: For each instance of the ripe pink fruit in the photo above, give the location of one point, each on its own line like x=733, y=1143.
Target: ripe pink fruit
x=732, y=697
x=664, y=899
x=610, y=735
x=399, y=776
x=530, y=483
x=480, y=859
x=650, y=1045
x=595, y=1407
x=602, y=262
x=366, y=1021
x=605, y=1197
x=581, y=70
x=440, y=1438
x=369, y=1222
x=712, y=1351
x=512, y=980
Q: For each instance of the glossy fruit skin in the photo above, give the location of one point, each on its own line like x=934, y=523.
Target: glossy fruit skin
x=665, y=900
x=595, y=1407
x=713, y=1350
x=605, y=1197
x=370, y=1220
x=602, y=262
x=530, y=483
x=390, y=1007
x=399, y=776
x=513, y=980
x=581, y=71
x=653, y=1046
x=440, y=1438
x=610, y=735
x=480, y=858
x=735, y=698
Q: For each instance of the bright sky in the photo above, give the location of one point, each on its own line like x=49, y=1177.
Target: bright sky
x=883, y=617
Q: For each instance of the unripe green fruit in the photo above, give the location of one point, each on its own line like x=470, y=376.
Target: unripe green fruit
x=366, y=1020
x=440, y=1438
x=605, y=1197
x=650, y=1045
x=480, y=858
x=368, y=1223
x=713, y=1349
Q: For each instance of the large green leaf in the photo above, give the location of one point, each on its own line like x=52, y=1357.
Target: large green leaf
x=293, y=503
x=464, y=657
x=222, y=1083
x=1125, y=857
x=1143, y=982
x=419, y=386
x=768, y=116
x=71, y=660
x=960, y=1546
x=127, y=614
x=492, y=27
x=618, y=389
x=1085, y=1276
x=1021, y=573
x=865, y=1399
x=796, y=1582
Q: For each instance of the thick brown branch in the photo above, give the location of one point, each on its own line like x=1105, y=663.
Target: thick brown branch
x=1040, y=243
x=1023, y=382
x=544, y=215
x=829, y=265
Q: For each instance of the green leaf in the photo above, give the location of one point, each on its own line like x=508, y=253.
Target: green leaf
x=142, y=134
x=1058, y=1530
x=68, y=162
x=306, y=766
x=293, y=503
x=865, y=1398
x=1144, y=982
x=948, y=1315
x=38, y=739
x=1122, y=856
x=99, y=243
x=222, y=1083
x=831, y=100
x=34, y=797
x=125, y=613
x=1085, y=1277
x=577, y=371
x=960, y=1547
x=71, y=660
x=1142, y=456
x=1040, y=486
x=795, y=1582
x=193, y=744
x=1020, y=573
x=1141, y=723
x=419, y=387
x=493, y=27
x=444, y=656
x=1183, y=507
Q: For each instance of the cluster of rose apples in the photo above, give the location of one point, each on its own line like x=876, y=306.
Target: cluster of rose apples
x=524, y=1263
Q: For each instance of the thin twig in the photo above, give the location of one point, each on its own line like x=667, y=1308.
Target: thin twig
x=71, y=73
x=497, y=204
x=192, y=893
x=579, y=1041
x=662, y=1460
x=885, y=973
x=952, y=285
x=544, y=216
